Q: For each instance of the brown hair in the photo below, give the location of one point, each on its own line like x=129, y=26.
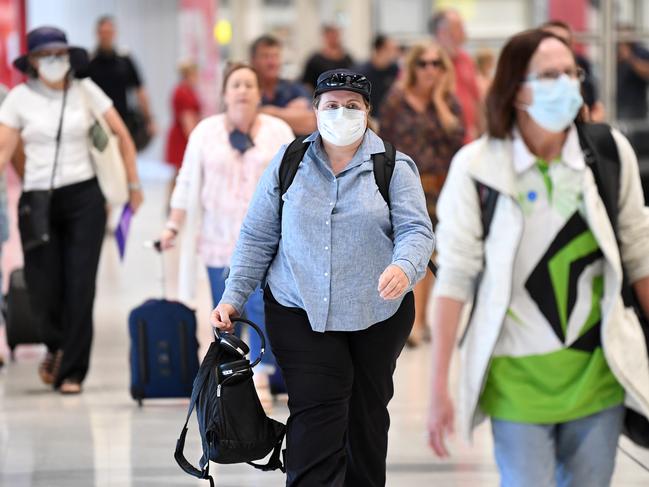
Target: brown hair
x=232, y=67
x=510, y=72
x=413, y=55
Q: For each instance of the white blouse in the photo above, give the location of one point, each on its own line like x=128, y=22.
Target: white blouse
x=34, y=110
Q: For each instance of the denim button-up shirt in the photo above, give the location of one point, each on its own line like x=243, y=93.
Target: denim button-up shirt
x=334, y=239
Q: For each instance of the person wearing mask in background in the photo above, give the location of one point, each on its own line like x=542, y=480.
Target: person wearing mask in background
x=281, y=98
x=338, y=278
x=550, y=351
x=589, y=86
x=116, y=74
x=225, y=157
x=61, y=272
x=423, y=117
x=447, y=28
x=381, y=70
x=331, y=56
x=186, y=109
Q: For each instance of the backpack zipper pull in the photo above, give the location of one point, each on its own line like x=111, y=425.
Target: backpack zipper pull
x=218, y=390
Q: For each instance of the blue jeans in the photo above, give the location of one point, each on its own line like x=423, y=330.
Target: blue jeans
x=253, y=310
x=573, y=454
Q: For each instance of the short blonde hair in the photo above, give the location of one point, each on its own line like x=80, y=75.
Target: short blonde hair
x=186, y=68
x=414, y=54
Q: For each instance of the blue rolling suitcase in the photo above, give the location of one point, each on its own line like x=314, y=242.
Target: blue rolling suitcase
x=164, y=350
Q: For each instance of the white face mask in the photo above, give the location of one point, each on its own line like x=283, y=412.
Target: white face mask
x=342, y=126
x=54, y=68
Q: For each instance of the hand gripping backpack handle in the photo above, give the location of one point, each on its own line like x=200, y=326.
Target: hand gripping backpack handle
x=220, y=336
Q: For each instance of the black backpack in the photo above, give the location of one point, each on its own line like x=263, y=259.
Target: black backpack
x=602, y=157
x=383, y=169
x=233, y=425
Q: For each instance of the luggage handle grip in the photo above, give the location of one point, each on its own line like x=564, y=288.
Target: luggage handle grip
x=217, y=335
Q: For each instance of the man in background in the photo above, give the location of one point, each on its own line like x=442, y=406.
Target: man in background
x=588, y=86
x=332, y=55
x=381, y=69
x=448, y=29
x=281, y=98
x=117, y=75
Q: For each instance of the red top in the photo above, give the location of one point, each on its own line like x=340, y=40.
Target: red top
x=184, y=99
x=467, y=93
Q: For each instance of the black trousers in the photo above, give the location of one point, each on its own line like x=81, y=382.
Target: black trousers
x=339, y=385
x=61, y=275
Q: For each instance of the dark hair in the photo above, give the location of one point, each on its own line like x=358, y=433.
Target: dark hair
x=510, y=71
x=103, y=19
x=557, y=23
x=265, y=40
x=379, y=41
x=231, y=68
x=436, y=21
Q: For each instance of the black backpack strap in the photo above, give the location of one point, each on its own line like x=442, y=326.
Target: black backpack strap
x=203, y=373
x=603, y=159
x=383, y=169
x=488, y=197
x=274, y=462
x=288, y=167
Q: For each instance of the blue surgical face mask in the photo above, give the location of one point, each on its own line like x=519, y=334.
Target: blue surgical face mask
x=555, y=103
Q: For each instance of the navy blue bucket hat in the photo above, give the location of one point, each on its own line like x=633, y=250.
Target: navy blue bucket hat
x=45, y=38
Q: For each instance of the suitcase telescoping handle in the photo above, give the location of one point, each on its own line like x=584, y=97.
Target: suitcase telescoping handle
x=217, y=335
x=157, y=246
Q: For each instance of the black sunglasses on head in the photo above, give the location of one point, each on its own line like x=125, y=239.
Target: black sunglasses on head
x=341, y=79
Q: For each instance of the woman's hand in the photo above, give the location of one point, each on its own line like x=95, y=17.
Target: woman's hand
x=167, y=239
x=440, y=422
x=393, y=282
x=220, y=317
x=135, y=199
x=443, y=87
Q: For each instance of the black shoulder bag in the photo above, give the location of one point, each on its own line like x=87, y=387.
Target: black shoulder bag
x=34, y=206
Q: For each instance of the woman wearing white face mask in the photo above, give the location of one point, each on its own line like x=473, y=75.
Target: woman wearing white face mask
x=338, y=298
x=49, y=114
x=550, y=353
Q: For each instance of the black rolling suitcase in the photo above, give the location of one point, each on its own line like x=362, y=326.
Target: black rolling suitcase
x=21, y=325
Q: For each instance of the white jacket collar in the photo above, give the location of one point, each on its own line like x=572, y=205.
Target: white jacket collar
x=508, y=157
x=571, y=154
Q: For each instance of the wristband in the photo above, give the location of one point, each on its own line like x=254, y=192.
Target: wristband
x=172, y=226
x=134, y=186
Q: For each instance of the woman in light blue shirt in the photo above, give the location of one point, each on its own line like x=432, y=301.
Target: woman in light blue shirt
x=339, y=265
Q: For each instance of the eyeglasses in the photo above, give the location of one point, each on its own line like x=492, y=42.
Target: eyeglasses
x=337, y=80
x=553, y=74
x=436, y=63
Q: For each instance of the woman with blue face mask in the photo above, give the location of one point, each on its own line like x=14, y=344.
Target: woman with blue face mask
x=550, y=353
x=339, y=266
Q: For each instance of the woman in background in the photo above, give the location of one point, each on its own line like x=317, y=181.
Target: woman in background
x=422, y=118
x=225, y=157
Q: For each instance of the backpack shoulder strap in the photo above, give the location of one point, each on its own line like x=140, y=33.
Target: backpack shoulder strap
x=383, y=169
x=602, y=157
x=488, y=198
x=288, y=167
x=203, y=373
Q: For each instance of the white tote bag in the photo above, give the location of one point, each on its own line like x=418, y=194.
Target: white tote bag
x=106, y=156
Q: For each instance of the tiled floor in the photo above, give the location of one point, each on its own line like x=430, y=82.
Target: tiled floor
x=102, y=439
